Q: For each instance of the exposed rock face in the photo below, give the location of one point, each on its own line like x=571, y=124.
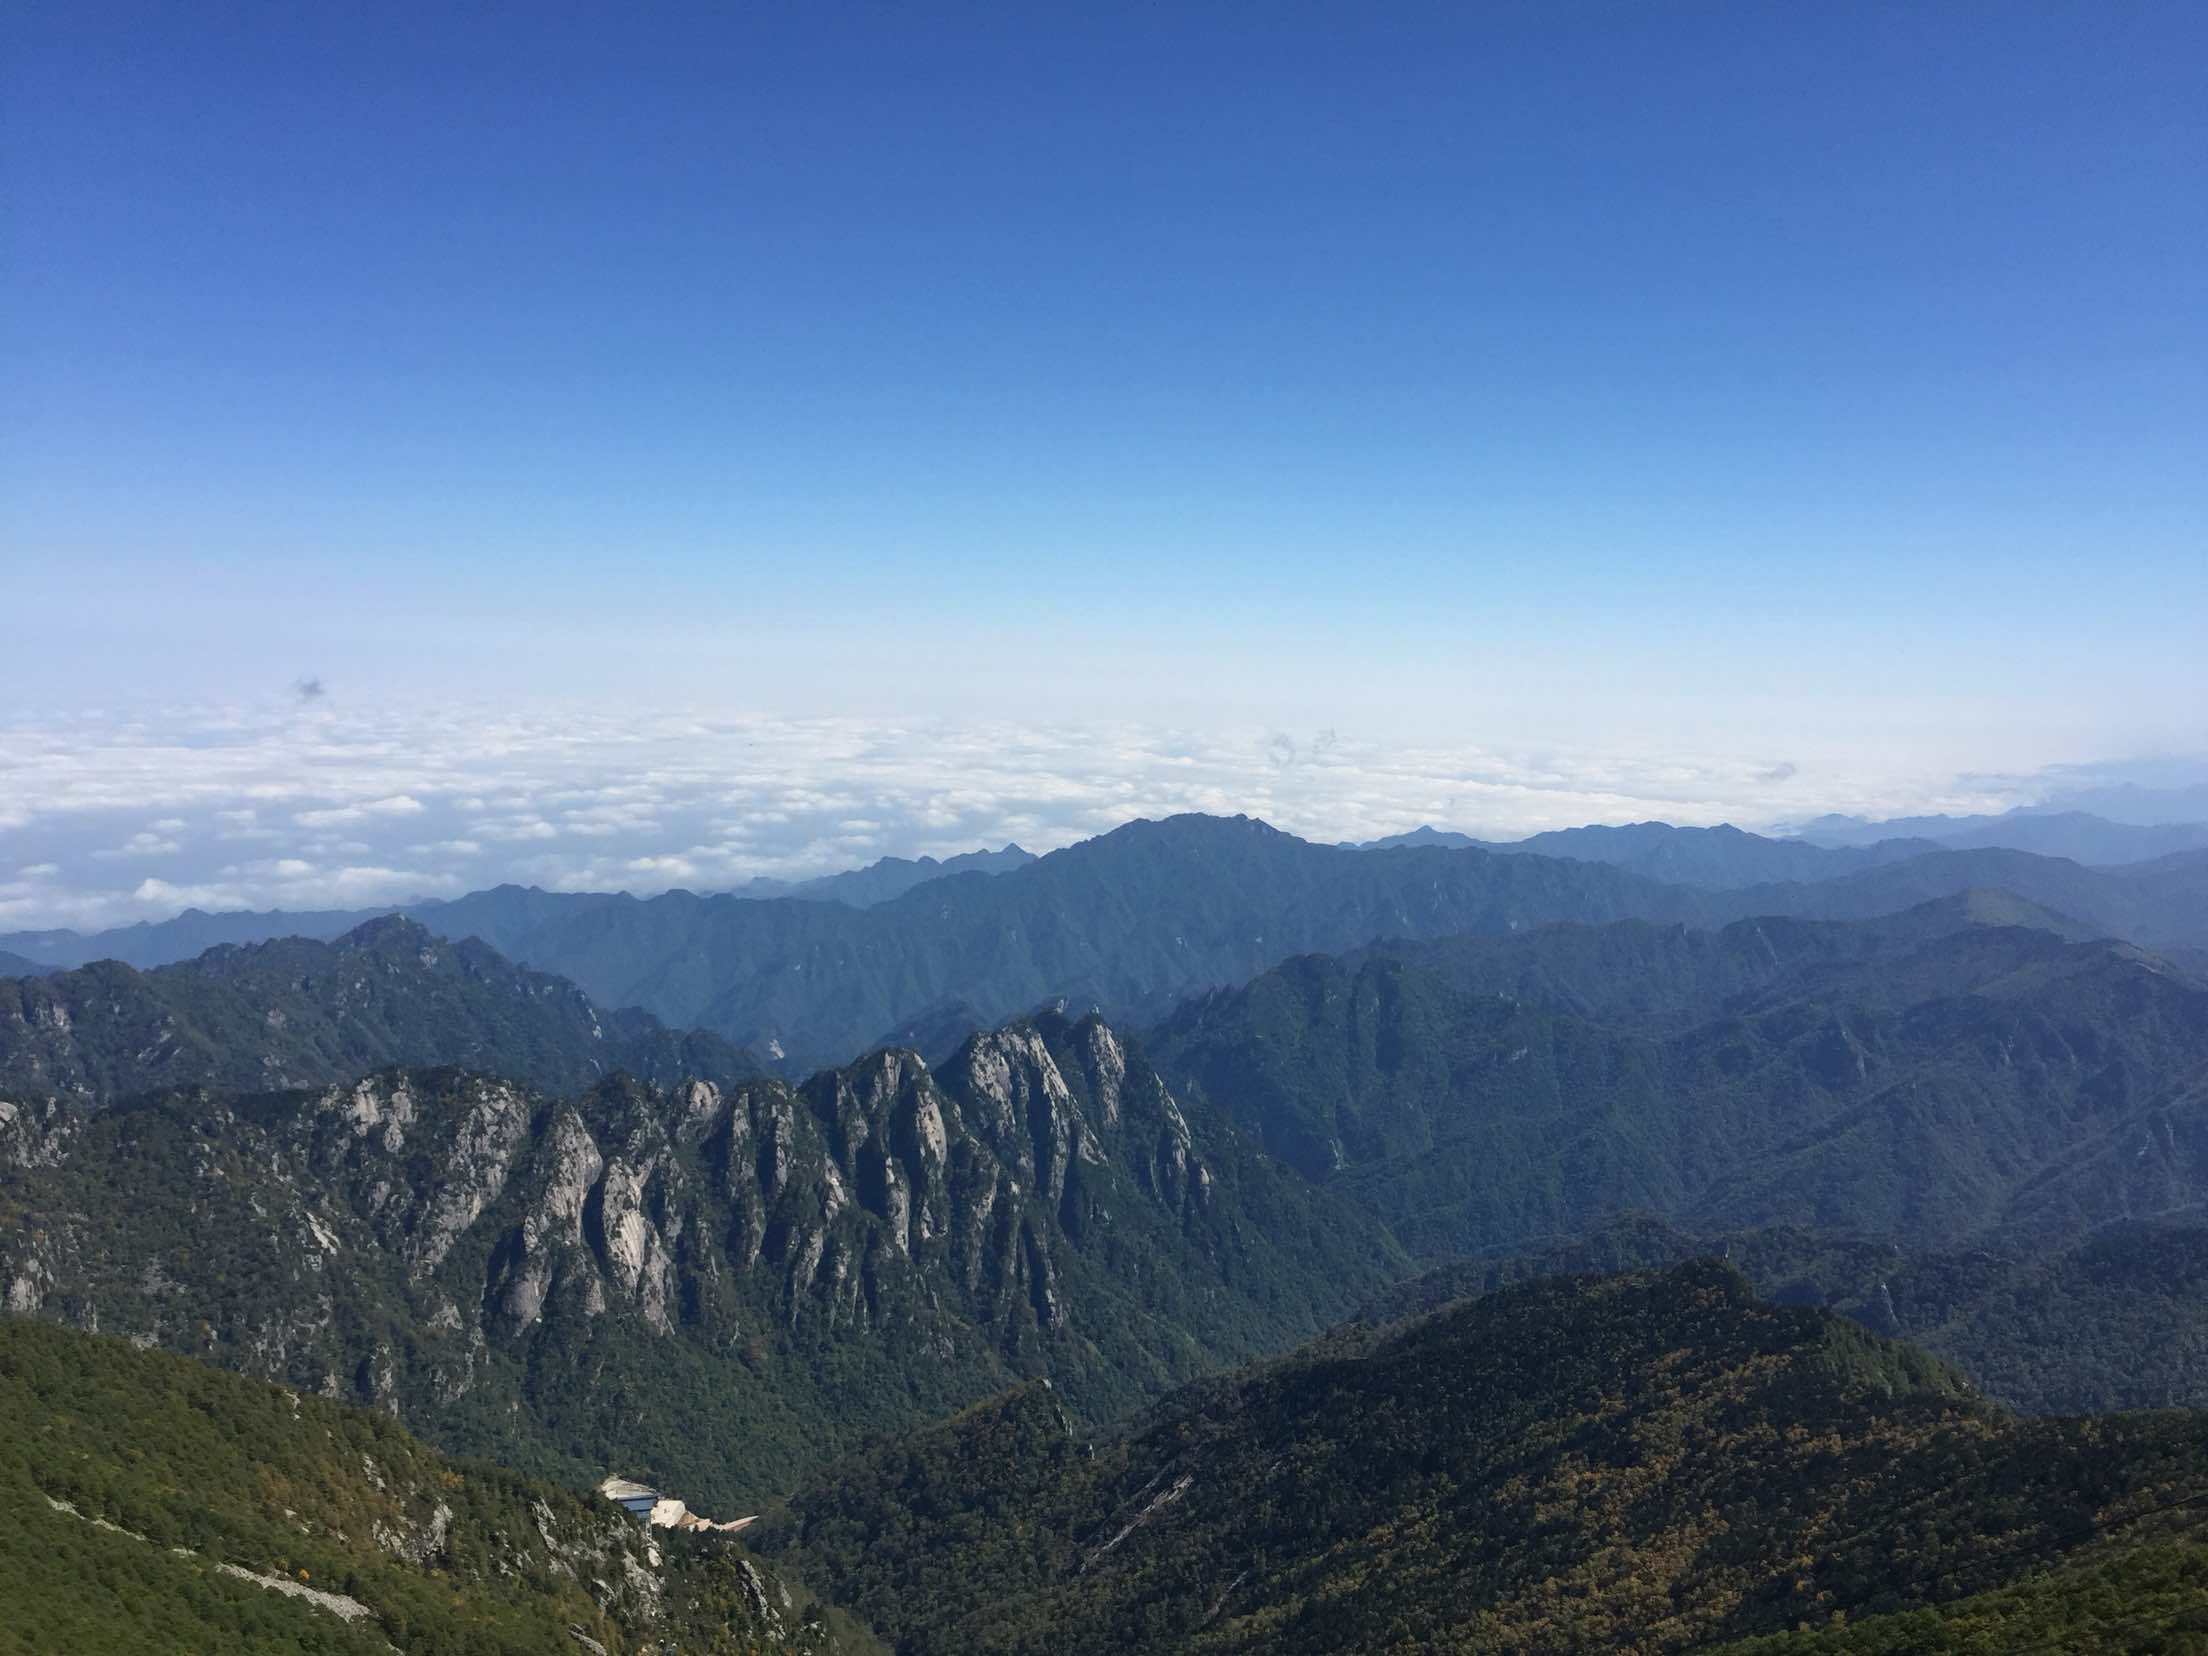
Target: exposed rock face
x=1041, y=1207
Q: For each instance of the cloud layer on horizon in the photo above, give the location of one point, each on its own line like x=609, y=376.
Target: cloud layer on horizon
x=107, y=817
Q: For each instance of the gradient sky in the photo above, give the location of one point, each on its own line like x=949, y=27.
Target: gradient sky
x=1806, y=383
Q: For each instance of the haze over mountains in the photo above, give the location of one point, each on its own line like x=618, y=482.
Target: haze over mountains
x=2078, y=835
x=1135, y=918
x=890, y=877
x=1728, y=856
x=399, y=1169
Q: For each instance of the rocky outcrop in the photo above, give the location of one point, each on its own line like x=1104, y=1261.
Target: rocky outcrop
x=1042, y=1206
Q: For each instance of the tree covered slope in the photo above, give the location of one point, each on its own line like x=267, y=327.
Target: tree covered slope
x=2117, y=1319
x=295, y=1012
x=1983, y=1081
x=1655, y=1462
x=148, y=1504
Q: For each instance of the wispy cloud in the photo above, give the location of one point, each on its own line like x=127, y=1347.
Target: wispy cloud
x=115, y=816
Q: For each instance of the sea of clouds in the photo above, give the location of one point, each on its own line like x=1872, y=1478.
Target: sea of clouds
x=114, y=815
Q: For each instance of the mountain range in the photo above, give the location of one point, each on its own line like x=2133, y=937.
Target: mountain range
x=150, y=943
x=1932, y=1097
x=1722, y=857
x=889, y=877
x=2078, y=835
x=1137, y=918
x=1828, y=846
x=576, y=1190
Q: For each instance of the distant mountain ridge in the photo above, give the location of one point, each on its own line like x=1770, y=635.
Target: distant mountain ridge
x=1827, y=848
x=890, y=877
x=1139, y=917
x=2077, y=835
x=149, y=943
x=1721, y=856
x=295, y=1012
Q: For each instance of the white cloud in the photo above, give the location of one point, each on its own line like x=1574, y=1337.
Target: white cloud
x=142, y=844
x=342, y=815
x=359, y=806
x=663, y=869
x=521, y=828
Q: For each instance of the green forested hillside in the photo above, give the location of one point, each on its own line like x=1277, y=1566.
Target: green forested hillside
x=147, y=1504
x=295, y=1013
x=1931, y=1082
x=2115, y=1320
x=2136, y=1593
x=1634, y=974
x=1656, y=1462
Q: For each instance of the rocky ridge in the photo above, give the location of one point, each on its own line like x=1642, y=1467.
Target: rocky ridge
x=643, y=1276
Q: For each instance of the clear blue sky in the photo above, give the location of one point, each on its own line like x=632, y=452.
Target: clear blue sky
x=1580, y=362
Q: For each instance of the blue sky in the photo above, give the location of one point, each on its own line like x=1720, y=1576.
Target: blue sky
x=1744, y=380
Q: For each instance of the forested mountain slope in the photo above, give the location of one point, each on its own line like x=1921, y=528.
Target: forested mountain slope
x=295, y=1013
x=1656, y=1461
x=150, y=1504
x=1989, y=1081
x=1637, y=974
x=716, y=1285
x=2117, y=1319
